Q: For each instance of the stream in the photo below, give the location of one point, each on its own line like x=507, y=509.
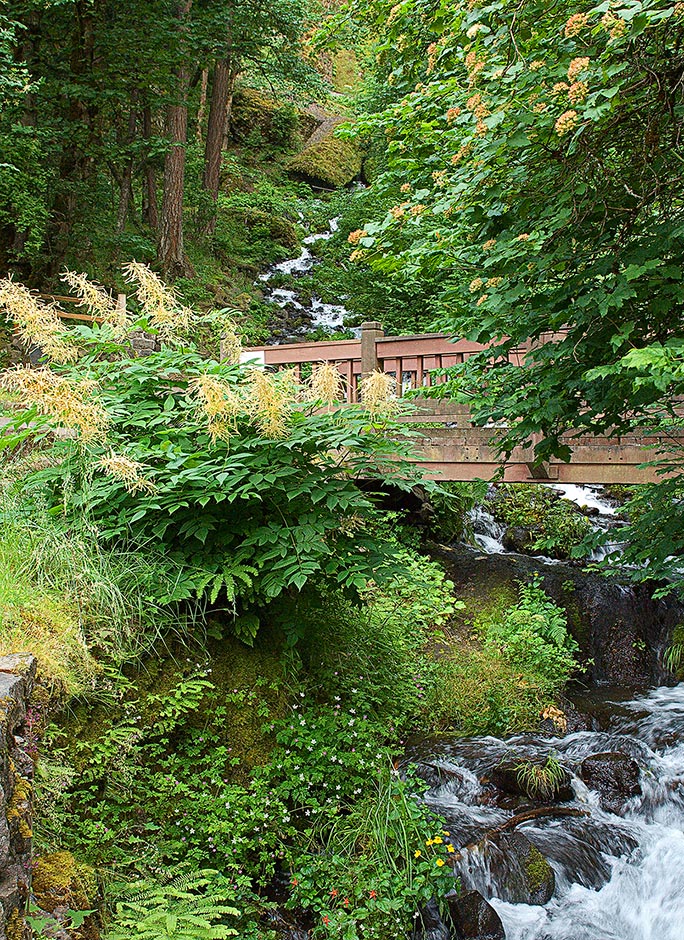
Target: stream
x=301, y=315
x=619, y=875
x=616, y=846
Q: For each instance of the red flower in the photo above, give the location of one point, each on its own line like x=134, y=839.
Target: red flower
x=294, y=882
x=326, y=920
x=372, y=894
x=334, y=893
x=346, y=902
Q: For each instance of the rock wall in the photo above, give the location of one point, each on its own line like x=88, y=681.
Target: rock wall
x=17, y=677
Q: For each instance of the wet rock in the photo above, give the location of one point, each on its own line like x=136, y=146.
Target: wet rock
x=614, y=776
x=519, y=872
x=517, y=538
x=474, y=918
x=508, y=778
x=429, y=924
x=619, y=629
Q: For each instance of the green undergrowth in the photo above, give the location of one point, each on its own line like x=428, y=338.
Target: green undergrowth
x=201, y=755
x=550, y=524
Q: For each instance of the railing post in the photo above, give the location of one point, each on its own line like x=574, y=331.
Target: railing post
x=371, y=332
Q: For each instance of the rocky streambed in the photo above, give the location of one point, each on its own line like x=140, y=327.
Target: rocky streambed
x=597, y=855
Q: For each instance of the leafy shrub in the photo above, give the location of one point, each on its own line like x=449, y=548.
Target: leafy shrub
x=518, y=658
x=230, y=473
x=533, y=636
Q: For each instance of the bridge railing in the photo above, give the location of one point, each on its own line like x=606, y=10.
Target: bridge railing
x=412, y=360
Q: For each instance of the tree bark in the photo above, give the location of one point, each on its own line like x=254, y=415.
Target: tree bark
x=150, y=210
x=171, y=252
x=126, y=181
x=219, y=112
x=201, y=110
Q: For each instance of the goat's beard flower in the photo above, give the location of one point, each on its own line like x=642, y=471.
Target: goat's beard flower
x=37, y=322
x=159, y=303
x=70, y=404
x=98, y=302
x=325, y=384
x=128, y=471
x=377, y=394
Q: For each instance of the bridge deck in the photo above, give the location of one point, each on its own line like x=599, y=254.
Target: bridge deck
x=450, y=446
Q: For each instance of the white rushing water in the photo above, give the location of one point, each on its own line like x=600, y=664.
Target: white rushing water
x=317, y=313
x=617, y=877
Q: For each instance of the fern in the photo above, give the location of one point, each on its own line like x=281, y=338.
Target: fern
x=186, y=908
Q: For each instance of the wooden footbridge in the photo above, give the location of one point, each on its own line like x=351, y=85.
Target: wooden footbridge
x=450, y=446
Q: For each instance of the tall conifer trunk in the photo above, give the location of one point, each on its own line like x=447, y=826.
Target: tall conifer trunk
x=171, y=250
x=219, y=112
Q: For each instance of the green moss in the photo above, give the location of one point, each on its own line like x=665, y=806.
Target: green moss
x=60, y=880
x=264, y=225
x=255, y=112
x=15, y=928
x=536, y=868
x=330, y=162
x=19, y=808
x=553, y=525
x=345, y=69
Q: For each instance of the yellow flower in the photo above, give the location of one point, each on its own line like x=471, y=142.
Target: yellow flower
x=439, y=863
x=430, y=842
x=450, y=848
x=438, y=840
x=445, y=833
x=417, y=853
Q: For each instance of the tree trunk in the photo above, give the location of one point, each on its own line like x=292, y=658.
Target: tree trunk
x=171, y=249
x=219, y=113
x=126, y=181
x=150, y=211
x=202, y=105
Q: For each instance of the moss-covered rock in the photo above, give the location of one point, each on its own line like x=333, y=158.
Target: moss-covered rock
x=331, y=163
x=263, y=225
x=538, y=520
x=61, y=881
x=276, y=122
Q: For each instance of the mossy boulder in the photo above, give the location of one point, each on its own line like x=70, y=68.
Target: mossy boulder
x=60, y=881
x=538, y=520
x=276, y=122
x=330, y=163
x=263, y=225
x=519, y=871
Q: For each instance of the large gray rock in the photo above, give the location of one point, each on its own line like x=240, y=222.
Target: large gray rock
x=614, y=776
x=620, y=629
x=474, y=918
x=519, y=872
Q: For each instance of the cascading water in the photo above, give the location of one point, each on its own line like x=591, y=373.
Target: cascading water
x=313, y=313
x=618, y=877
x=488, y=533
